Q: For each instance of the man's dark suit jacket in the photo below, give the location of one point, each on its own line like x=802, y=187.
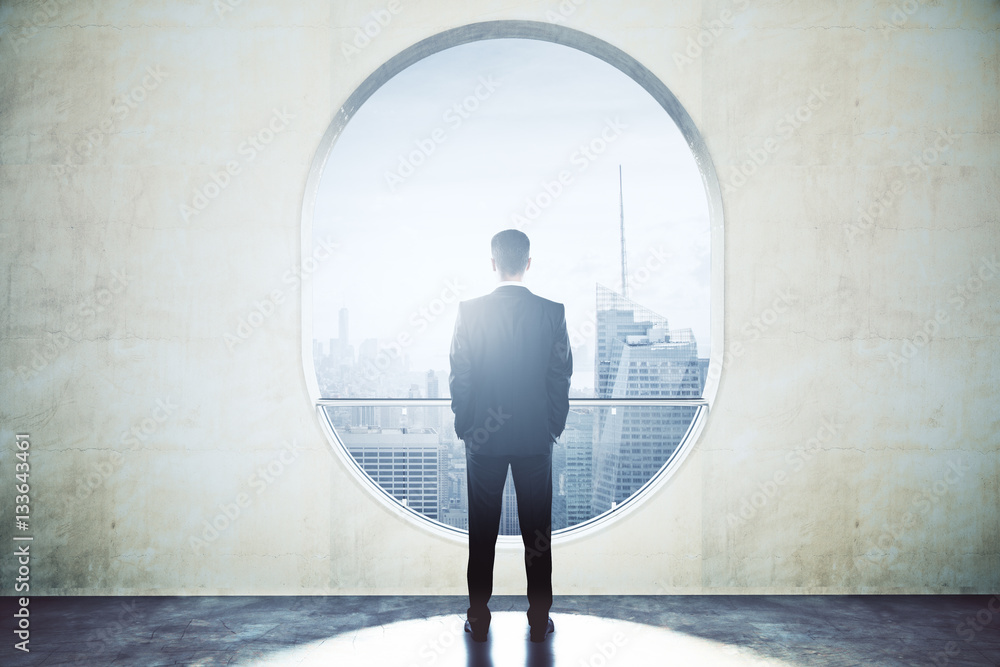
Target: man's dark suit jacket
x=510, y=372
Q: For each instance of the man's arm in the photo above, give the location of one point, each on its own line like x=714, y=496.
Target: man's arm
x=558, y=376
x=460, y=378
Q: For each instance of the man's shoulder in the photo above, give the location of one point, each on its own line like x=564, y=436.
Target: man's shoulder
x=486, y=300
x=473, y=303
x=549, y=305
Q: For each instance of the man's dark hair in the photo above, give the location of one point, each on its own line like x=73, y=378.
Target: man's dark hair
x=510, y=250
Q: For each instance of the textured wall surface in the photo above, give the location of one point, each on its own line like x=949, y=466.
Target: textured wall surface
x=854, y=445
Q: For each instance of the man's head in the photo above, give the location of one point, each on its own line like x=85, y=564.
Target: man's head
x=510, y=249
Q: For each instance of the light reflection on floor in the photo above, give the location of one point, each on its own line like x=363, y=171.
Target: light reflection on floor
x=579, y=641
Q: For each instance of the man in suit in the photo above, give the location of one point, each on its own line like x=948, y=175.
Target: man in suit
x=510, y=374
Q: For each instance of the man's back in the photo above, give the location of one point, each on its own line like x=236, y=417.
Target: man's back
x=510, y=376
x=511, y=364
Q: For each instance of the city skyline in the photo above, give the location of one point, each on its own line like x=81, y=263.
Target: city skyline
x=604, y=455
x=411, y=249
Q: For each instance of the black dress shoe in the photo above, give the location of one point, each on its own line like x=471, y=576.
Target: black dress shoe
x=477, y=634
x=539, y=634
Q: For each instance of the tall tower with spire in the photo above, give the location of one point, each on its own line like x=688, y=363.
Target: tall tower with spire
x=621, y=216
x=637, y=356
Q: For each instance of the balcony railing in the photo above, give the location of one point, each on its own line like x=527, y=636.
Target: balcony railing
x=700, y=405
x=444, y=402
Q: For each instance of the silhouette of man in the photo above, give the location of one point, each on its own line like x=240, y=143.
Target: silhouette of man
x=510, y=374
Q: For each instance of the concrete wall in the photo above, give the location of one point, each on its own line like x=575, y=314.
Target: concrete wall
x=853, y=445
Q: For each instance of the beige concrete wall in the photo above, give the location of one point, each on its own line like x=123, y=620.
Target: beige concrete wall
x=116, y=308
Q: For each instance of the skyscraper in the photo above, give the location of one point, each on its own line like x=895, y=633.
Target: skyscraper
x=455, y=503
x=637, y=357
x=368, y=349
x=364, y=415
x=340, y=348
x=508, y=514
x=403, y=462
x=343, y=328
x=432, y=384
x=432, y=416
x=577, y=441
x=617, y=318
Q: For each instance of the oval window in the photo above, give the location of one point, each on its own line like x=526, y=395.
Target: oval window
x=488, y=127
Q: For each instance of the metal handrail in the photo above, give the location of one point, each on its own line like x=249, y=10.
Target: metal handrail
x=582, y=402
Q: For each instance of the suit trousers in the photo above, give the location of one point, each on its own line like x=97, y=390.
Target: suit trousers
x=532, y=477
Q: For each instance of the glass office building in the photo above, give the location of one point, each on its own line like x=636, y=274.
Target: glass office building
x=638, y=357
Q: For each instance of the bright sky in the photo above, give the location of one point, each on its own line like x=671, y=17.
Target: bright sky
x=450, y=150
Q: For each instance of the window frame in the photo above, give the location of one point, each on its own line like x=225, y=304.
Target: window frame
x=558, y=34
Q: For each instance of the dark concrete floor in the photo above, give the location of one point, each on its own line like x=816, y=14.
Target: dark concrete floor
x=591, y=631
